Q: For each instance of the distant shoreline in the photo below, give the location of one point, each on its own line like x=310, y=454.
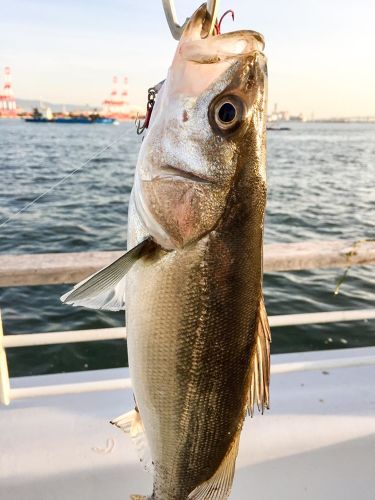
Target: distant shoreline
x=291, y=122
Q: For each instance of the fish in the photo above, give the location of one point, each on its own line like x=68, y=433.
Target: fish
x=198, y=337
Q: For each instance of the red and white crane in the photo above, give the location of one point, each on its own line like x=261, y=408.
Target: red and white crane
x=117, y=105
x=8, y=106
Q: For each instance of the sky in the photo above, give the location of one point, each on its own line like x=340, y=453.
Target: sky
x=321, y=55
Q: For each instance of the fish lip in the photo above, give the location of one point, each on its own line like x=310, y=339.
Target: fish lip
x=179, y=174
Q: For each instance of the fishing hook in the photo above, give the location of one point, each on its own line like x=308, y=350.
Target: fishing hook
x=218, y=23
x=151, y=95
x=177, y=29
x=150, y=105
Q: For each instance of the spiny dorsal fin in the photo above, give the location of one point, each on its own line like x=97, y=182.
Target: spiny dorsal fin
x=260, y=374
x=106, y=288
x=131, y=423
x=219, y=485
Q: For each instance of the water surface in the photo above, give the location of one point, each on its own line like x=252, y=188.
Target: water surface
x=321, y=186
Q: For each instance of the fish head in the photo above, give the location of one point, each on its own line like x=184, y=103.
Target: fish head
x=208, y=122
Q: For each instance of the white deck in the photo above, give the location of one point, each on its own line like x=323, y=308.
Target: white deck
x=317, y=442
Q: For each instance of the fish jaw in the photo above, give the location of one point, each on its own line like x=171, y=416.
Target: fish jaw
x=186, y=167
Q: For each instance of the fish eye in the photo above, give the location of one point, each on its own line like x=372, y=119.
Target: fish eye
x=226, y=114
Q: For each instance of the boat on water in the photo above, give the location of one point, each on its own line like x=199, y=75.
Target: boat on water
x=39, y=117
x=90, y=119
x=278, y=129
x=277, y=126
x=48, y=117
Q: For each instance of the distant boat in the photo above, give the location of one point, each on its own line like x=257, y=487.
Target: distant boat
x=90, y=119
x=106, y=121
x=38, y=117
x=73, y=119
x=278, y=128
x=38, y=120
x=93, y=118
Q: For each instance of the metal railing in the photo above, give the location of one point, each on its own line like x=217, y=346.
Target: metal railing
x=58, y=268
x=65, y=268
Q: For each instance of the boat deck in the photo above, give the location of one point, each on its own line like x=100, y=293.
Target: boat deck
x=317, y=442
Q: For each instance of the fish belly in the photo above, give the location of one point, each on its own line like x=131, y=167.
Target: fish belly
x=191, y=317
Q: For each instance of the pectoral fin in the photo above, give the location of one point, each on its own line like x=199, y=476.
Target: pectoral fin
x=260, y=363
x=106, y=288
x=219, y=485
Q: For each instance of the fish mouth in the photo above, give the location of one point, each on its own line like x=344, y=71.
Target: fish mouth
x=168, y=172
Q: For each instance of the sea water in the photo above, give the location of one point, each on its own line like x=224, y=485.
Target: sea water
x=321, y=187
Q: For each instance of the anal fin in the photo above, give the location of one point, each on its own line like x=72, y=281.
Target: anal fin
x=219, y=485
x=260, y=363
x=131, y=423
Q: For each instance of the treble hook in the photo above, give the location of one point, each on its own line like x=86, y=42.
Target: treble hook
x=177, y=29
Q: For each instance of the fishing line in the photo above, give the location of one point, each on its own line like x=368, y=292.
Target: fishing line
x=54, y=186
x=36, y=166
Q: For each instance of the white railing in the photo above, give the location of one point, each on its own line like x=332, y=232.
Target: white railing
x=7, y=393
x=26, y=270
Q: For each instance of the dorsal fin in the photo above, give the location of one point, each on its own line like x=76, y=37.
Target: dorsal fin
x=106, y=288
x=260, y=363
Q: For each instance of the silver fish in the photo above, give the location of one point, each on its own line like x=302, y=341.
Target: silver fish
x=198, y=335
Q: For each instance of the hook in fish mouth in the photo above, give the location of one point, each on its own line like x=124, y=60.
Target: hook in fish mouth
x=179, y=174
